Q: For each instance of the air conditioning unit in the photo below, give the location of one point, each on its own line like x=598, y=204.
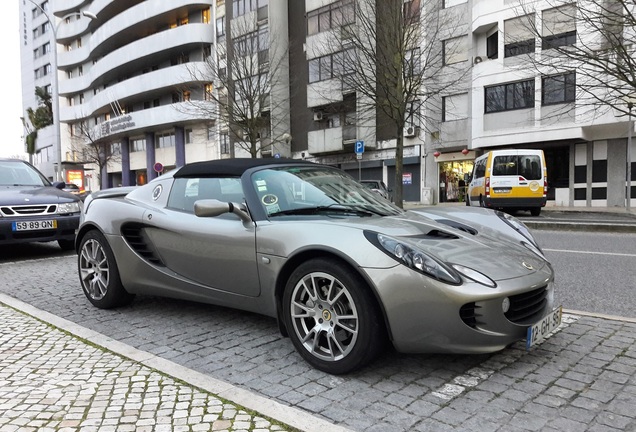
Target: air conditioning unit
x=478, y=59
x=410, y=132
x=319, y=116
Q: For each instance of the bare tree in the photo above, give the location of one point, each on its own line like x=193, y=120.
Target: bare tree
x=389, y=52
x=85, y=144
x=245, y=84
x=590, y=46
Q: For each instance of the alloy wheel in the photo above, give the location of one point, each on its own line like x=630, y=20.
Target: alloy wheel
x=94, y=269
x=324, y=316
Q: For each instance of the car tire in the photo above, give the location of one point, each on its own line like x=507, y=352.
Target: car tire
x=535, y=211
x=66, y=245
x=332, y=317
x=98, y=273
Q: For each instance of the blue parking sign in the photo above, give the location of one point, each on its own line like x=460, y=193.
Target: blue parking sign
x=359, y=147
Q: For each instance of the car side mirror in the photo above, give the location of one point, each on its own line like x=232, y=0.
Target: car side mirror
x=59, y=185
x=213, y=208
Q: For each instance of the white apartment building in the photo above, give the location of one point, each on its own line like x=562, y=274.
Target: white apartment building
x=511, y=102
x=122, y=74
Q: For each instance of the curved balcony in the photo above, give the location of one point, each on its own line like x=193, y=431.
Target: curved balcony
x=137, y=16
x=151, y=82
x=150, y=119
x=70, y=59
x=67, y=31
x=67, y=6
x=179, y=39
x=73, y=86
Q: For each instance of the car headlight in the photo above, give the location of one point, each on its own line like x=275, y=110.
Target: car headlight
x=413, y=258
x=475, y=275
x=72, y=207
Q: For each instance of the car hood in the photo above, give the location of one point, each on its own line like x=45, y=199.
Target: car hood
x=467, y=242
x=25, y=195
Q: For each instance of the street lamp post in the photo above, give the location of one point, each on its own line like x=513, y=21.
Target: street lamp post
x=57, y=164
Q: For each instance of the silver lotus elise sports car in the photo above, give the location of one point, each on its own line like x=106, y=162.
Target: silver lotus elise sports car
x=343, y=270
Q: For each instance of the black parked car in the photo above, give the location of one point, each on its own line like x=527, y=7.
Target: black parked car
x=32, y=209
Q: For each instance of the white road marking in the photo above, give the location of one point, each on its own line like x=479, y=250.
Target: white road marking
x=590, y=252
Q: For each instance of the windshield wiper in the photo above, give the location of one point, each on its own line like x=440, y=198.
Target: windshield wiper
x=334, y=208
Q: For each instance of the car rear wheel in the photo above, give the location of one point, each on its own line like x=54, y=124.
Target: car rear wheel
x=332, y=319
x=535, y=211
x=98, y=273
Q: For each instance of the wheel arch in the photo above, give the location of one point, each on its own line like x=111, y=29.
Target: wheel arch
x=308, y=254
x=82, y=232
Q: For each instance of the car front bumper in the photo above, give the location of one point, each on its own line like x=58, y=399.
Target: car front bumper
x=66, y=229
x=426, y=316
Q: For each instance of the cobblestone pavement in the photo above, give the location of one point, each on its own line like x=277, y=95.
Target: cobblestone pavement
x=52, y=381
x=583, y=378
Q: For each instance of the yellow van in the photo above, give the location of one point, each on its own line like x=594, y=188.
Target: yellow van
x=509, y=179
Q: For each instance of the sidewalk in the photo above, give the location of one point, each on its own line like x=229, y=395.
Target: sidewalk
x=58, y=376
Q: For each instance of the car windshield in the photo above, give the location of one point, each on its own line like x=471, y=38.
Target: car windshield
x=18, y=173
x=309, y=190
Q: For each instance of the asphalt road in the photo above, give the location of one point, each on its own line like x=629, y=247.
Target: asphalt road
x=595, y=272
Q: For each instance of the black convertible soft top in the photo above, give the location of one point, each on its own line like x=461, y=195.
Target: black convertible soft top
x=232, y=167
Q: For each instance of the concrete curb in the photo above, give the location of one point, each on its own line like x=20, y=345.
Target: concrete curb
x=290, y=416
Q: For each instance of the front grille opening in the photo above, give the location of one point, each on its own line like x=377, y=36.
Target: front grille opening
x=528, y=307
x=29, y=210
x=469, y=314
x=136, y=239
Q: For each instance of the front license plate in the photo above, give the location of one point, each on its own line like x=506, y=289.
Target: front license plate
x=539, y=331
x=34, y=225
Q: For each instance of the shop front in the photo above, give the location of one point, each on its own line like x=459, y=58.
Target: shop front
x=454, y=169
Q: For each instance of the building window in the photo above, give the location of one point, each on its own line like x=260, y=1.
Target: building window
x=220, y=27
x=205, y=16
x=253, y=42
x=519, y=36
x=511, y=96
x=492, y=46
x=558, y=89
x=189, y=136
x=454, y=107
x=138, y=145
x=455, y=50
x=163, y=140
x=329, y=66
x=563, y=39
x=334, y=15
x=241, y=7
x=451, y=3
x=208, y=92
x=411, y=11
x=412, y=62
x=115, y=148
x=224, y=143
x=559, y=27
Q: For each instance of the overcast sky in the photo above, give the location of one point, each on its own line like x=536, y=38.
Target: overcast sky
x=11, y=143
